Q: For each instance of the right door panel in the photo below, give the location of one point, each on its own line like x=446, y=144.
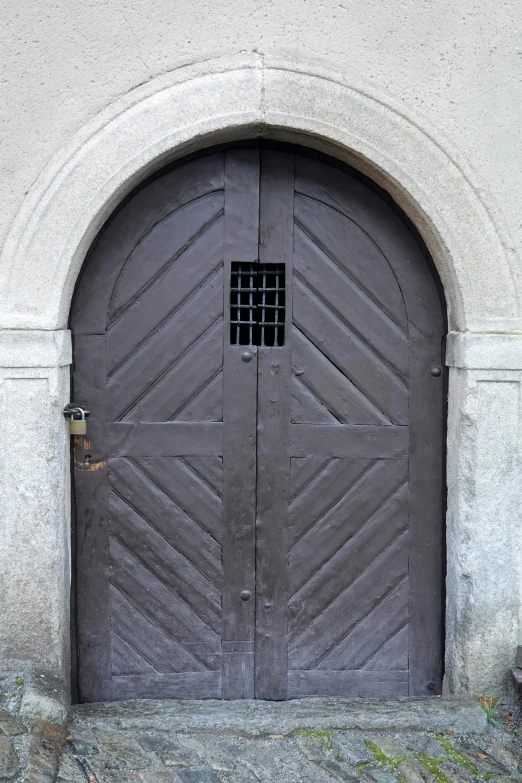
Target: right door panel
x=359, y=452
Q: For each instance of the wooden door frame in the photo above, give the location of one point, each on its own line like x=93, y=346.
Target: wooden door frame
x=269, y=144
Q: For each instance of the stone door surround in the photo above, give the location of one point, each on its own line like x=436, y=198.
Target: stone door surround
x=228, y=99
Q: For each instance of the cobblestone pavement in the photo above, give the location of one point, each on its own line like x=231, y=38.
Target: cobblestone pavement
x=202, y=743
x=145, y=752
x=307, y=757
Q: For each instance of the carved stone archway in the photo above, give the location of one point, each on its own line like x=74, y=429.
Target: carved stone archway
x=236, y=98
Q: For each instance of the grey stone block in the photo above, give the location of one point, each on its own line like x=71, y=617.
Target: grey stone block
x=8, y=761
x=171, y=752
x=9, y=725
x=198, y=776
x=381, y=775
x=487, y=766
x=84, y=748
x=151, y=776
x=391, y=748
x=502, y=779
x=45, y=749
x=351, y=747
x=341, y=774
x=209, y=752
x=45, y=696
x=311, y=748
x=255, y=718
x=426, y=744
x=69, y=770
x=506, y=755
x=456, y=773
x=415, y=772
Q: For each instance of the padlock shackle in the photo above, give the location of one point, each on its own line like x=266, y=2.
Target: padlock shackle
x=72, y=410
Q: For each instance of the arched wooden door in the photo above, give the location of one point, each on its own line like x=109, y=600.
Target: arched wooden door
x=258, y=499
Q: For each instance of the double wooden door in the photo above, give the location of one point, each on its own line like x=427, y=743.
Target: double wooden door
x=258, y=499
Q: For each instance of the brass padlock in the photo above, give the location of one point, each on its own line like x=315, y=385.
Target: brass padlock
x=78, y=426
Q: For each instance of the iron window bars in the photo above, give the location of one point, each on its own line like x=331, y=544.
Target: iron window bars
x=257, y=304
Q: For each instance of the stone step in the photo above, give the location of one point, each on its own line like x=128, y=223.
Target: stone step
x=257, y=718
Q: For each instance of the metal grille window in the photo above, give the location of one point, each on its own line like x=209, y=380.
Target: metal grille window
x=257, y=304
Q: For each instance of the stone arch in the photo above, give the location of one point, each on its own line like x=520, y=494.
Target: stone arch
x=235, y=98
x=230, y=99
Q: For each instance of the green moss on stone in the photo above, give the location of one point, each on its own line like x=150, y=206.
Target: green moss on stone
x=324, y=737
x=380, y=758
x=456, y=756
x=432, y=765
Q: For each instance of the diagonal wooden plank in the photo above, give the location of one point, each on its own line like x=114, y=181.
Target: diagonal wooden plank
x=307, y=408
x=167, y=566
x=302, y=471
x=136, y=490
x=371, y=376
x=146, y=207
x=331, y=386
x=358, y=311
x=149, y=640
x=208, y=472
x=393, y=654
x=187, y=491
x=329, y=533
x=166, y=344
x=181, y=283
x=322, y=632
x=160, y=248
x=369, y=636
x=363, y=542
x=391, y=235
x=321, y=494
x=210, y=469
x=343, y=239
x=165, y=605
x=125, y=660
x=182, y=381
x=207, y=403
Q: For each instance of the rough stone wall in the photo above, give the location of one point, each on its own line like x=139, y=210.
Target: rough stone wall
x=458, y=64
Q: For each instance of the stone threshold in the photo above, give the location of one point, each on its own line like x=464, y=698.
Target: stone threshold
x=258, y=718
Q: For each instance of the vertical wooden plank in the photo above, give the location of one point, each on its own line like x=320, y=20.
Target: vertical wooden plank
x=239, y=437
x=92, y=529
x=425, y=514
x=273, y=456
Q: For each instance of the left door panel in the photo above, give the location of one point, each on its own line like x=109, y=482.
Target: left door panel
x=150, y=334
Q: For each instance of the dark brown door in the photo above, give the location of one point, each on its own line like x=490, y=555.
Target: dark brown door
x=259, y=496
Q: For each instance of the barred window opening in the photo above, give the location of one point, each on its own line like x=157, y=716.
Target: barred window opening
x=257, y=304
